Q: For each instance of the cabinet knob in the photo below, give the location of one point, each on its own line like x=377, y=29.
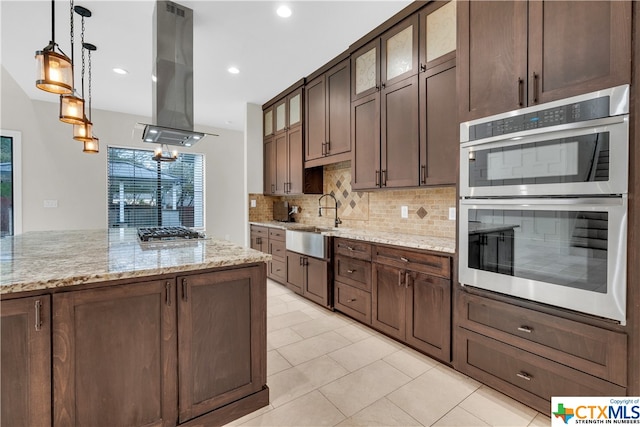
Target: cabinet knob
x=351, y=271
x=423, y=67
x=351, y=300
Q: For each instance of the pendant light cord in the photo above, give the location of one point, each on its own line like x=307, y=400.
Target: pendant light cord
x=89, y=85
x=72, y=49
x=82, y=40
x=53, y=21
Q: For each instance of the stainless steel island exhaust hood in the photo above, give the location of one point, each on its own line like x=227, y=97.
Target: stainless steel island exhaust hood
x=172, y=119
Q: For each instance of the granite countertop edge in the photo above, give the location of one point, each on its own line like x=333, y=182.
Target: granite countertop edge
x=39, y=261
x=413, y=241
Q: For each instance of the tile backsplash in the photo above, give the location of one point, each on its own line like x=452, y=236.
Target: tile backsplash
x=428, y=208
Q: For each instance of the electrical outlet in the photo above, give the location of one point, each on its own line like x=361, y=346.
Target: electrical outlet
x=294, y=210
x=50, y=203
x=253, y=203
x=452, y=214
x=404, y=211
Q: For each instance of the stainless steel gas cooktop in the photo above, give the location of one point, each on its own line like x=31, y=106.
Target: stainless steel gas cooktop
x=146, y=234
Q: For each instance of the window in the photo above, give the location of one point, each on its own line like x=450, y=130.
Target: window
x=10, y=183
x=146, y=193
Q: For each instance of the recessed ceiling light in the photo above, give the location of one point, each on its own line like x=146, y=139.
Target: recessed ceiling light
x=233, y=70
x=120, y=71
x=284, y=11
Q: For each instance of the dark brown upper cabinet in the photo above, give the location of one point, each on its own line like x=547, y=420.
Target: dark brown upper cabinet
x=267, y=122
x=437, y=43
x=439, y=128
x=283, y=160
x=513, y=53
x=384, y=109
x=385, y=60
x=327, y=116
x=288, y=112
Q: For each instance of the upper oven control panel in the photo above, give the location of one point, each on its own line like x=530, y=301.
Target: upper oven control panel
x=595, y=105
x=576, y=112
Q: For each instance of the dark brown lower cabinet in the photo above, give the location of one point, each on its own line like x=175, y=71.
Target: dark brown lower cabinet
x=25, y=362
x=411, y=306
x=429, y=314
x=532, y=356
x=222, y=339
x=388, y=299
x=308, y=277
x=114, y=356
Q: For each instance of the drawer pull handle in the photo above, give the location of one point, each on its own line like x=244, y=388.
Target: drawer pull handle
x=351, y=271
x=525, y=329
x=404, y=259
x=350, y=248
x=524, y=376
x=351, y=300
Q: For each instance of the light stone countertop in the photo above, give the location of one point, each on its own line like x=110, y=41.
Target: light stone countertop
x=41, y=260
x=414, y=241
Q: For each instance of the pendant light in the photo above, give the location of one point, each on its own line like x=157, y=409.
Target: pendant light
x=159, y=156
x=54, y=70
x=72, y=106
x=83, y=131
x=92, y=145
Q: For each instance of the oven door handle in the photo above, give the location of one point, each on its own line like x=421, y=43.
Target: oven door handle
x=550, y=201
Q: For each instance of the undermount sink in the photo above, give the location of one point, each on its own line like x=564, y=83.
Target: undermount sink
x=309, y=241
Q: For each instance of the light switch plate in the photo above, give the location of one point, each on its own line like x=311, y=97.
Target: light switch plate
x=452, y=214
x=253, y=203
x=50, y=203
x=404, y=211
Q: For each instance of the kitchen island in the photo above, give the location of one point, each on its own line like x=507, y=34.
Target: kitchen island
x=99, y=328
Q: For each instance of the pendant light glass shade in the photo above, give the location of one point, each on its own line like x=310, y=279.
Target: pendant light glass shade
x=83, y=132
x=71, y=109
x=54, y=71
x=92, y=146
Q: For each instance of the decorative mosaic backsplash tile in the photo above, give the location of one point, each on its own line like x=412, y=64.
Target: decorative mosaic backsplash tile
x=376, y=210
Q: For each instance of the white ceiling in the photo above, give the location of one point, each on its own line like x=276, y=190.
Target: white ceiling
x=271, y=52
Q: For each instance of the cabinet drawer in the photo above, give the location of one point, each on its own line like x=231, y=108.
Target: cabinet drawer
x=591, y=349
x=277, y=249
x=278, y=270
x=259, y=231
x=353, y=302
x=354, y=272
x=513, y=370
x=277, y=234
x=353, y=249
x=438, y=265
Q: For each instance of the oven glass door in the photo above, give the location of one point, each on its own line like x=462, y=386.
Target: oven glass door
x=570, y=162
x=569, y=253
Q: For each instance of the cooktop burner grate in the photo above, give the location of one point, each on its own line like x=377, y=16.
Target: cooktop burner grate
x=146, y=234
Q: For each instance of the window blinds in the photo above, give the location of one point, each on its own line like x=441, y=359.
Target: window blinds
x=146, y=193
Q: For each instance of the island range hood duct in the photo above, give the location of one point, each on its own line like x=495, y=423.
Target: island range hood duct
x=173, y=77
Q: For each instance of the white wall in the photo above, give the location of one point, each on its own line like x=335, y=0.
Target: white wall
x=55, y=168
x=253, y=147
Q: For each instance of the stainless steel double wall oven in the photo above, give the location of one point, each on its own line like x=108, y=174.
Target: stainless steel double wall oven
x=543, y=209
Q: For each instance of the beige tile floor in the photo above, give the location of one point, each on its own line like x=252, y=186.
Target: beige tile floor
x=325, y=369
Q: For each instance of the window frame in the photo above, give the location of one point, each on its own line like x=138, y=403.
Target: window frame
x=16, y=172
x=204, y=181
